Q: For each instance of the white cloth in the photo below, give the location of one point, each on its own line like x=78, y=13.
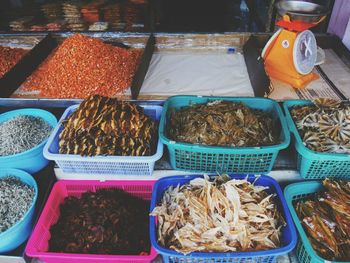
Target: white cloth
x=197, y=73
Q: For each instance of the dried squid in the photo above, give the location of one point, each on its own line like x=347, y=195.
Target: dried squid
x=326, y=219
x=222, y=123
x=106, y=126
x=222, y=215
x=324, y=126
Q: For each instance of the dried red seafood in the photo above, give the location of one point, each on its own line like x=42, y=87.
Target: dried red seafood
x=9, y=57
x=82, y=66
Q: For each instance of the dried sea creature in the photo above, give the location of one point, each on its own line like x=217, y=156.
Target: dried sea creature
x=222, y=123
x=325, y=125
x=22, y=133
x=106, y=126
x=108, y=221
x=218, y=216
x=326, y=219
x=16, y=198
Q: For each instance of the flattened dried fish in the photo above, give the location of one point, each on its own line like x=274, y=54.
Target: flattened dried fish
x=106, y=126
x=218, y=216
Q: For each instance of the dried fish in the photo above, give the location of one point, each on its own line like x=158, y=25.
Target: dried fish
x=16, y=198
x=324, y=125
x=326, y=219
x=222, y=123
x=218, y=216
x=106, y=126
x=22, y=133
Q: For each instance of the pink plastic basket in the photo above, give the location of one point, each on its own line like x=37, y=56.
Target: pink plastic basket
x=38, y=243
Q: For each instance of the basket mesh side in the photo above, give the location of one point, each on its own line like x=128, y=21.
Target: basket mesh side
x=110, y=168
x=302, y=254
x=209, y=162
x=268, y=259
x=319, y=169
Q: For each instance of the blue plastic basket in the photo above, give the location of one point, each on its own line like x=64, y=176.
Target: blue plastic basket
x=31, y=160
x=102, y=165
x=289, y=236
x=305, y=252
x=311, y=164
x=202, y=158
x=19, y=232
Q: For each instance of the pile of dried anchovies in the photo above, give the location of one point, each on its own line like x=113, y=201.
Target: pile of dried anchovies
x=218, y=216
x=22, y=133
x=15, y=200
x=106, y=126
x=325, y=125
x=222, y=123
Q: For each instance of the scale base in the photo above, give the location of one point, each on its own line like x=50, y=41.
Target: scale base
x=297, y=81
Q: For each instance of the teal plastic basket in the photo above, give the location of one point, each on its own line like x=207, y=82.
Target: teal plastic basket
x=311, y=164
x=305, y=252
x=202, y=158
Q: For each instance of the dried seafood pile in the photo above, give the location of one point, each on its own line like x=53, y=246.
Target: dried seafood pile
x=106, y=126
x=109, y=221
x=222, y=123
x=16, y=198
x=9, y=58
x=82, y=66
x=326, y=219
x=22, y=133
x=219, y=216
x=324, y=126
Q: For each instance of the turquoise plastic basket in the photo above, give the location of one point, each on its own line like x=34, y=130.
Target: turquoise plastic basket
x=311, y=164
x=201, y=158
x=305, y=252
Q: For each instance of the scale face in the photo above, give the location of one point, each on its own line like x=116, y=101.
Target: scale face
x=305, y=52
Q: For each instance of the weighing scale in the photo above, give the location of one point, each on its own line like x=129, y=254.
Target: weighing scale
x=291, y=53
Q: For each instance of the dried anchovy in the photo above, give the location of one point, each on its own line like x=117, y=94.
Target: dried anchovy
x=15, y=200
x=22, y=133
x=109, y=221
x=218, y=216
x=106, y=126
x=222, y=123
x=324, y=126
x=325, y=217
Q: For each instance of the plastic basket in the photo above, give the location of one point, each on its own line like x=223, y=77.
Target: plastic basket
x=288, y=239
x=20, y=231
x=38, y=243
x=103, y=165
x=305, y=252
x=311, y=164
x=201, y=158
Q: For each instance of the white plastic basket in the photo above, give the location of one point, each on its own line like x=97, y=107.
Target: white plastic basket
x=102, y=165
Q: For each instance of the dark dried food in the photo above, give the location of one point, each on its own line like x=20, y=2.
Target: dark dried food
x=109, y=221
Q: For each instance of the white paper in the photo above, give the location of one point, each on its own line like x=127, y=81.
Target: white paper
x=200, y=73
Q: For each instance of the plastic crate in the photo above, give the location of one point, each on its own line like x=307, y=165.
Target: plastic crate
x=289, y=237
x=202, y=158
x=311, y=164
x=103, y=165
x=38, y=243
x=305, y=252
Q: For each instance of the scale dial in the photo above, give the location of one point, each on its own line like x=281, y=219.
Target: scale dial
x=305, y=52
